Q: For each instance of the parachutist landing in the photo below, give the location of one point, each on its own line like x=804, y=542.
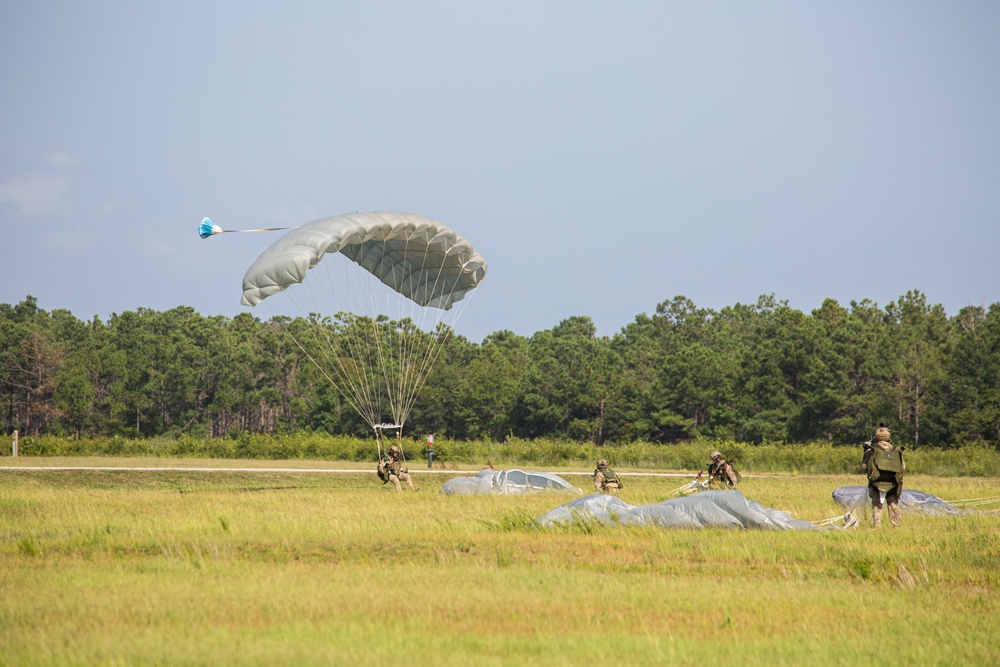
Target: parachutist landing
x=391, y=466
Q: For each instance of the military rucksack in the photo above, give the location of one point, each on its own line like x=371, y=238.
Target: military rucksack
x=739, y=477
x=888, y=460
x=886, y=466
x=610, y=476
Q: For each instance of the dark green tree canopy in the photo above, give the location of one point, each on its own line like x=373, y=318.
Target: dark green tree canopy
x=752, y=372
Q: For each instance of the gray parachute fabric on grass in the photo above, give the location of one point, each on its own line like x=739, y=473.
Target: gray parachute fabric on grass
x=722, y=509
x=417, y=257
x=910, y=499
x=507, y=482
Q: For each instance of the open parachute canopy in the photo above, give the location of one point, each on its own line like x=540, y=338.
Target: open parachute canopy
x=417, y=257
x=373, y=326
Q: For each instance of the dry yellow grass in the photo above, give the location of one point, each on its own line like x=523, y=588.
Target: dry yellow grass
x=269, y=568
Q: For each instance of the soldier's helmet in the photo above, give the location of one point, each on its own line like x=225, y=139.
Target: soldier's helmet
x=602, y=463
x=882, y=434
x=716, y=455
x=394, y=449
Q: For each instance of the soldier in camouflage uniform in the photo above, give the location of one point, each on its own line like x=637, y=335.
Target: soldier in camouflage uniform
x=721, y=474
x=883, y=481
x=393, y=466
x=605, y=479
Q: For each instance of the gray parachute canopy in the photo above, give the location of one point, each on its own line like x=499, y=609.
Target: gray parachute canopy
x=909, y=499
x=507, y=482
x=420, y=258
x=723, y=509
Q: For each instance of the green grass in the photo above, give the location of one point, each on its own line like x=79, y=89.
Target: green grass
x=259, y=568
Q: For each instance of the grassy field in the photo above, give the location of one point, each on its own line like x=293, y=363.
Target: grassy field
x=264, y=568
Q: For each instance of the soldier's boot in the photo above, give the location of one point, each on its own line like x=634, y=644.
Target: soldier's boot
x=894, y=516
x=877, y=516
x=409, y=483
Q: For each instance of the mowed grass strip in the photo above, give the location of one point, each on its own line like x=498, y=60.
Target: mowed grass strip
x=141, y=567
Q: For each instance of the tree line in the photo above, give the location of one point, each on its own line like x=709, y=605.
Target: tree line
x=754, y=373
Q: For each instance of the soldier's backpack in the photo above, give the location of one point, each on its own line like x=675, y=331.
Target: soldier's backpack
x=886, y=466
x=383, y=474
x=609, y=475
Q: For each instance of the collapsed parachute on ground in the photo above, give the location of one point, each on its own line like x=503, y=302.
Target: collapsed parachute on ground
x=375, y=333
x=507, y=482
x=852, y=496
x=722, y=509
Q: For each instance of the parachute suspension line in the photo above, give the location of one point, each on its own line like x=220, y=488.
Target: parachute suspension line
x=975, y=502
x=409, y=378
x=337, y=342
x=378, y=328
x=324, y=344
x=377, y=335
x=353, y=371
x=421, y=371
x=417, y=346
x=379, y=434
x=367, y=344
x=359, y=338
x=399, y=443
x=340, y=360
x=356, y=338
x=433, y=352
x=321, y=369
x=405, y=330
x=829, y=523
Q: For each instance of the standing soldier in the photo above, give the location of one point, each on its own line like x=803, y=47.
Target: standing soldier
x=392, y=467
x=605, y=479
x=721, y=474
x=884, y=466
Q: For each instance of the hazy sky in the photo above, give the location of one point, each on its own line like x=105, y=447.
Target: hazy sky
x=603, y=156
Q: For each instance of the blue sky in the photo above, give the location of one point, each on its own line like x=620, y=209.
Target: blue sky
x=603, y=156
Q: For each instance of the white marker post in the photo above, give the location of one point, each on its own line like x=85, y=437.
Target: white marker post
x=13, y=444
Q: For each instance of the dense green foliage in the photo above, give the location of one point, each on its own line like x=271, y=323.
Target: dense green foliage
x=761, y=373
